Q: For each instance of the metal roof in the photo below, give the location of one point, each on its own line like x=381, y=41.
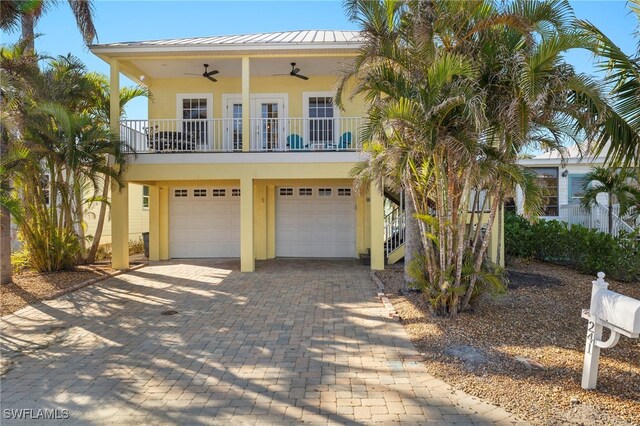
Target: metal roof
x=284, y=39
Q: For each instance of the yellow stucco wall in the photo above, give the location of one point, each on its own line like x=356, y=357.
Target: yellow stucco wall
x=138, y=217
x=165, y=90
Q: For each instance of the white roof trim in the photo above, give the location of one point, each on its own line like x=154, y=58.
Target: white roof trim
x=287, y=40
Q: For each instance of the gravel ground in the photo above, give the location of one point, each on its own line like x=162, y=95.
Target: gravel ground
x=524, y=350
x=29, y=287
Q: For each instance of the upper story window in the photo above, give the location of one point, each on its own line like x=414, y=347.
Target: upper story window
x=193, y=111
x=548, y=180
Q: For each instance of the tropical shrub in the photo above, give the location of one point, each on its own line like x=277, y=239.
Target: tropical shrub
x=586, y=250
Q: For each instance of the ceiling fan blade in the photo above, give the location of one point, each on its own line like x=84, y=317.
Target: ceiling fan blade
x=208, y=77
x=210, y=73
x=191, y=73
x=304, y=77
x=295, y=70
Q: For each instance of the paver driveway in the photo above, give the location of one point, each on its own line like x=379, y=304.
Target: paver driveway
x=296, y=341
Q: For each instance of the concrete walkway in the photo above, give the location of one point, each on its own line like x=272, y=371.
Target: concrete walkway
x=296, y=341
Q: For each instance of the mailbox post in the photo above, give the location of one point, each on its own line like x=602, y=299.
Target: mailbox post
x=620, y=314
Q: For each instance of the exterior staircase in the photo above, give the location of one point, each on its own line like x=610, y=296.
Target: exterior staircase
x=595, y=218
x=394, y=230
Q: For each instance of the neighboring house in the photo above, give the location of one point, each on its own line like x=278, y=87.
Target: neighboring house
x=247, y=156
x=138, y=219
x=138, y=216
x=563, y=180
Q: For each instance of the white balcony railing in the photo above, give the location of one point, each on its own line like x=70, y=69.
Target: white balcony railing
x=225, y=135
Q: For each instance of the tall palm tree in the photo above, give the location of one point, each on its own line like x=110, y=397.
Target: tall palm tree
x=456, y=91
x=25, y=14
x=618, y=186
x=17, y=68
x=621, y=129
x=101, y=111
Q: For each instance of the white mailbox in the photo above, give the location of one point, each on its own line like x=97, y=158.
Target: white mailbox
x=620, y=314
x=621, y=311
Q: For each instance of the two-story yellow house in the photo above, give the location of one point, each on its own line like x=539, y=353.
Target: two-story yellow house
x=244, y=152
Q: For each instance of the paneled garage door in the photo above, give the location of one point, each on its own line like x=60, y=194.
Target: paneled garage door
x=204, y=222
x=315, y=222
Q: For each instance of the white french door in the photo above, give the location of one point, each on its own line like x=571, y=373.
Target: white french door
x=268, y=124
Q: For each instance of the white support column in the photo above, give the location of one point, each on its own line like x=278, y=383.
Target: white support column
x=247, y=258
x=246, y=106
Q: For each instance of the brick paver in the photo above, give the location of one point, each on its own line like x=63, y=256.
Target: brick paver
x=296, y=341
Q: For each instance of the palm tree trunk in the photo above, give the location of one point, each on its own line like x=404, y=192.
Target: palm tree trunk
x=500, y=219
x=610, y=213
x=91, y=257
x=6, y=272
x=28, y=35
x=411, y=241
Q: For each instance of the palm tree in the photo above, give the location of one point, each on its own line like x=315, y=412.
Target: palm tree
x=25, y=14
x=456, y=90
x=621, y=130
x=618, y=186
x=101, y=111
x=17, y=67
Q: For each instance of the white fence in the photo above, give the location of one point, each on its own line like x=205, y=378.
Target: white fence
x=596, y=217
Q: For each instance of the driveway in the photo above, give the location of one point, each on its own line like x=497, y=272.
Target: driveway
x=296, y=341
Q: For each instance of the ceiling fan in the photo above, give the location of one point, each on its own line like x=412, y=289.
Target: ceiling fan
x=206, y=74
x=295, y=72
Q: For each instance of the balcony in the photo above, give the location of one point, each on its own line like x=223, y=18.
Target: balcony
x=225, y=135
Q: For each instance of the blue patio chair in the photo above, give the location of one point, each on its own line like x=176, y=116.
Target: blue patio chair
x=295, y=142
x=345, y=141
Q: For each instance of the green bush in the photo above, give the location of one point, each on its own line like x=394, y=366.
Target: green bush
x=586, y=250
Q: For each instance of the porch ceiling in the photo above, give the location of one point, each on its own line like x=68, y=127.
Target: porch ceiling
x=232, y=67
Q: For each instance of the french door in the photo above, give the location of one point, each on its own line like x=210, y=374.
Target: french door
x=268, y=127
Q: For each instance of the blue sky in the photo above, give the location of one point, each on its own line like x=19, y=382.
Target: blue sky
x=146, y=20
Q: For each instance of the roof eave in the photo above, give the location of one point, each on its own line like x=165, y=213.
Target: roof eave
x=125, y=50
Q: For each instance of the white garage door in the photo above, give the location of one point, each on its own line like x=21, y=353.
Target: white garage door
x=315, y=222
x=204, y=222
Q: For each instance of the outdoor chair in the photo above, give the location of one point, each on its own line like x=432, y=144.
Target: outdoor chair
x=345, y=141
x=295, y=142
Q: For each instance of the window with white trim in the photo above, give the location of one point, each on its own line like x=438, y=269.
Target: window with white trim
x=235, y=192
x=219, y=192
x=321, y=120
x=305, y=192
x=199, y=192
x=286, y=192
x=180, y=193
x=145, y=197
x=324, y=192
x=344, y=192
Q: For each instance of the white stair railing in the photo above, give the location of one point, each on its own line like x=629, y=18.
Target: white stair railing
x=394, y=229
x=595, y=218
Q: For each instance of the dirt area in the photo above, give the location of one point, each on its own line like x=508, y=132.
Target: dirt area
x=524, y=350
x=30, y=287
